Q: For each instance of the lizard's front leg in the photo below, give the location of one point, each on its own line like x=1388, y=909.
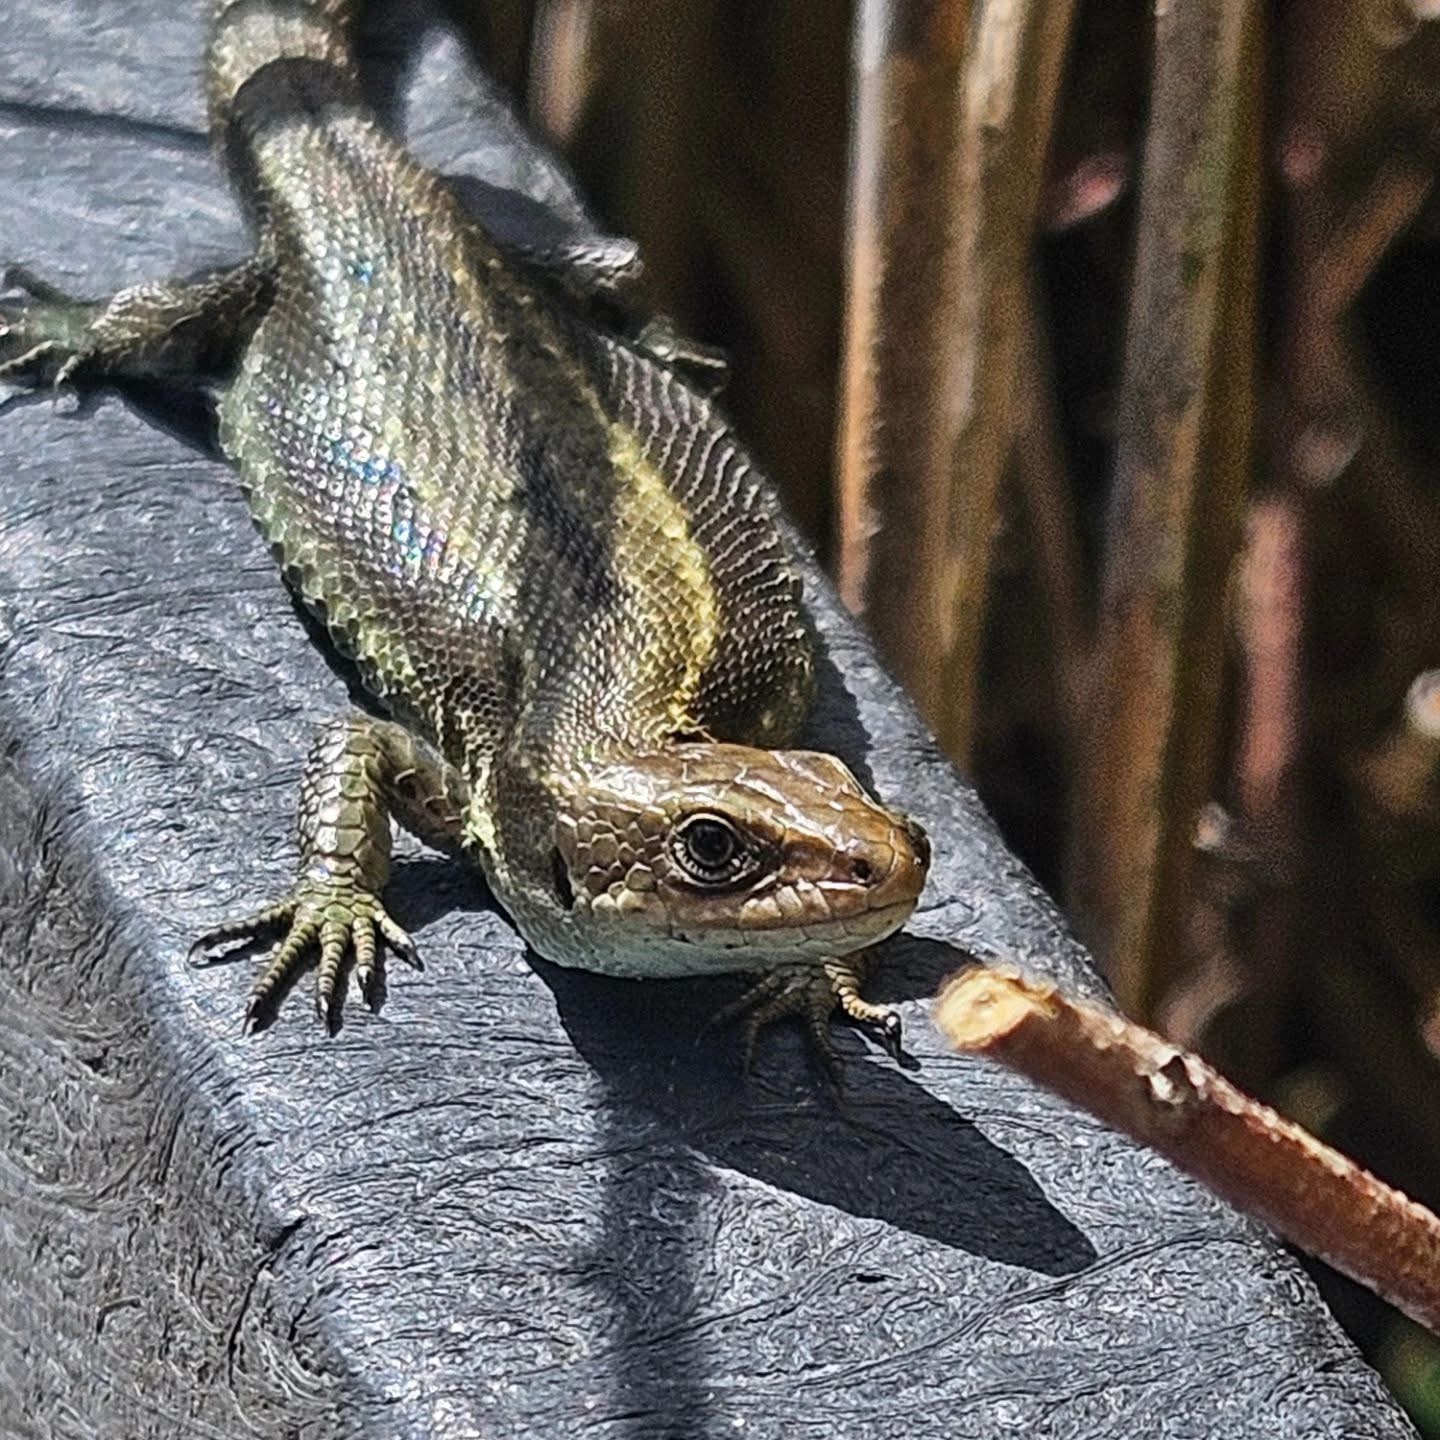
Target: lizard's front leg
x=172, y=327
x=360, y=774
x=812, y=993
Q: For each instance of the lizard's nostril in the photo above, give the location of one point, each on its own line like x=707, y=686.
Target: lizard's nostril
x=920, y=840
x=862, y=871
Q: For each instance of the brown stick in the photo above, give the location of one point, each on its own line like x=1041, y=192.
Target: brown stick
x=1153, y=723
x=953, y=122
x=898, y=319
x=1171, y=1101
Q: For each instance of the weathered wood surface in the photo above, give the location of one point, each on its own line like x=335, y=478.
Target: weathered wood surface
x=520, y=1201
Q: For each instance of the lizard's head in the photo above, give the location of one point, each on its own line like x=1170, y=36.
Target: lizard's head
x=709, y=851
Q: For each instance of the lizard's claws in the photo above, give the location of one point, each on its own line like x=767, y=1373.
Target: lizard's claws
x=336, y=919
x=812, y=993
x=50, y=332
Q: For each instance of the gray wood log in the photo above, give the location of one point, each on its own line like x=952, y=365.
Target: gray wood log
x=519, y=1201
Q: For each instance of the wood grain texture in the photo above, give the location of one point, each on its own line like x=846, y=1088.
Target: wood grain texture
x=519, y=1201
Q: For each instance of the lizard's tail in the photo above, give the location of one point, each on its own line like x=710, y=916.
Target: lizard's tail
x=270, y=57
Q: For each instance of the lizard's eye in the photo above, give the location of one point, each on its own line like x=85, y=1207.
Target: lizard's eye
x=709, y=849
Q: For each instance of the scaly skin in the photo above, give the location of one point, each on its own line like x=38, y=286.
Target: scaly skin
x=555, y=565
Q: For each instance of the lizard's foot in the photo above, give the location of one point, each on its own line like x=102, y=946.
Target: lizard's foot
x=44, y=335
x=812, y=993
x=327, y=915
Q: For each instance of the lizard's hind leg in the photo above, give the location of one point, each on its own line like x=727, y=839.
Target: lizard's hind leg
x=174, y=327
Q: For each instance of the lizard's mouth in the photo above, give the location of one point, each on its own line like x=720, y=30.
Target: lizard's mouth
x=874, y=923
x=824, y=938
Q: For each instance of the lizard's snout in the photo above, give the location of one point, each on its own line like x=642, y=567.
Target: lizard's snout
x=919, y=842
x=910, y=848
x=889, y=867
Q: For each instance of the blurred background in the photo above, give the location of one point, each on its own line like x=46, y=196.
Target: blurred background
x=1096, y=346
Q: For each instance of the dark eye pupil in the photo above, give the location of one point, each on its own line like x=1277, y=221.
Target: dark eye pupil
x=710, y=842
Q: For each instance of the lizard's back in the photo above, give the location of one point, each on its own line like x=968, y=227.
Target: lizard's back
x=525, y=531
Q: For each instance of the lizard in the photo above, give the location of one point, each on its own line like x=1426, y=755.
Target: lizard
x=561, y=576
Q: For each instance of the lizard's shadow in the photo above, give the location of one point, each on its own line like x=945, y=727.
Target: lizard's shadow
x=883, y=1146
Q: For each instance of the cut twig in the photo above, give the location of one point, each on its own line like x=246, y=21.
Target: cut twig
x=1171, y=1101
